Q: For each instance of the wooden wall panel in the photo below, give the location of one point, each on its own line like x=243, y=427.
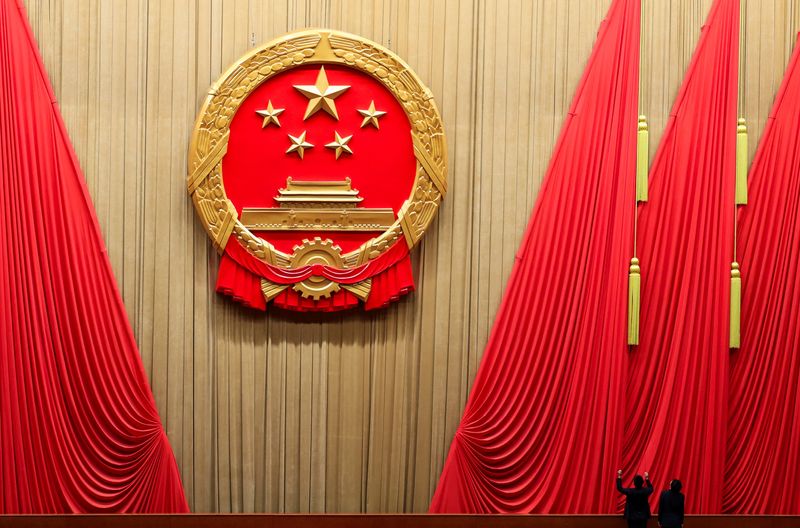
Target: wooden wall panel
x=349, y=412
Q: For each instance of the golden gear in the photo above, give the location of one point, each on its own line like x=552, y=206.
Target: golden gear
x=316, y=251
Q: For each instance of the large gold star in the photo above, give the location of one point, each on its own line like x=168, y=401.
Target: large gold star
x=270, y=115
x=299, y=144
x=340, y=144
x=371, y=115
x=321, y=95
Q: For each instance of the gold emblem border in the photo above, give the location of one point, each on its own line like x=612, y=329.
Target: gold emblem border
x=209, y=140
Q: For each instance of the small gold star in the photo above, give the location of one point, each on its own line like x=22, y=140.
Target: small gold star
x=299, y=144
x=321, y=95
x=340, y=144
x=270, y=115
x=371, y=115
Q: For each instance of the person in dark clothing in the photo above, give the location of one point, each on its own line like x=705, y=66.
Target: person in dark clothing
x=670, y=506
x=637, y=507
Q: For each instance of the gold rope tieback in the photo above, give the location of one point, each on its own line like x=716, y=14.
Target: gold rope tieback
x=736, y=306
x=634, y=272
x=634, y=293
x=740, y=198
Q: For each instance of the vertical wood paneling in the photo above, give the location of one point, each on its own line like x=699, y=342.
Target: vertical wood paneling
x=344, y=412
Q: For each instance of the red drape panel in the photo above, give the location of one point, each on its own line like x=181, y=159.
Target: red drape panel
x=79, y=430
x=676, y=394
x=764, y=400
x=542, y=428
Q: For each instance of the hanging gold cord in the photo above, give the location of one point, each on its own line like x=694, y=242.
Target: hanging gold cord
x=740, y=199
x=642, y=163
x=634, y=271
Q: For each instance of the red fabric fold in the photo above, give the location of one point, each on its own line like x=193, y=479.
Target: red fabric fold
x=240, y=284
x=764, y=399
x=79, y=430
x=676, y=412
x=546, y=406
x=391, y=284
x=291, y=300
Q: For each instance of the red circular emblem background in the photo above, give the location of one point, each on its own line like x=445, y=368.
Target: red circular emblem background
x=382, y=166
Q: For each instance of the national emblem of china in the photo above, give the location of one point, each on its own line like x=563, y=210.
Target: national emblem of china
x=316, y=163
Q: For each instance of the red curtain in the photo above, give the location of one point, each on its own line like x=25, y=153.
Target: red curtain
x=764, y=399
x=543, y=425
x=79, y=430
x=676, y=393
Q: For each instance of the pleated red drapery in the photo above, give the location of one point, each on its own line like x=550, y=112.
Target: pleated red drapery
x=676, y=412
x=543, y=425
x=764, y=394
x=79, y=430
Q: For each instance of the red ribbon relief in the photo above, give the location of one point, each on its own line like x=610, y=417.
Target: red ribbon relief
x=240, y=276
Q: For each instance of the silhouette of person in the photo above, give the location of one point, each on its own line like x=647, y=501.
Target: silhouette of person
x=670, y=506
x=637, y=507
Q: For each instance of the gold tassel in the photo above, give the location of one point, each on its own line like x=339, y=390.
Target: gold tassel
x=736, y=305
x=642, y=159
x=741, y=163
x=634, y=283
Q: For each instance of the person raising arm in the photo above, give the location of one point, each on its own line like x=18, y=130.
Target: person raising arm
x=637, y=506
